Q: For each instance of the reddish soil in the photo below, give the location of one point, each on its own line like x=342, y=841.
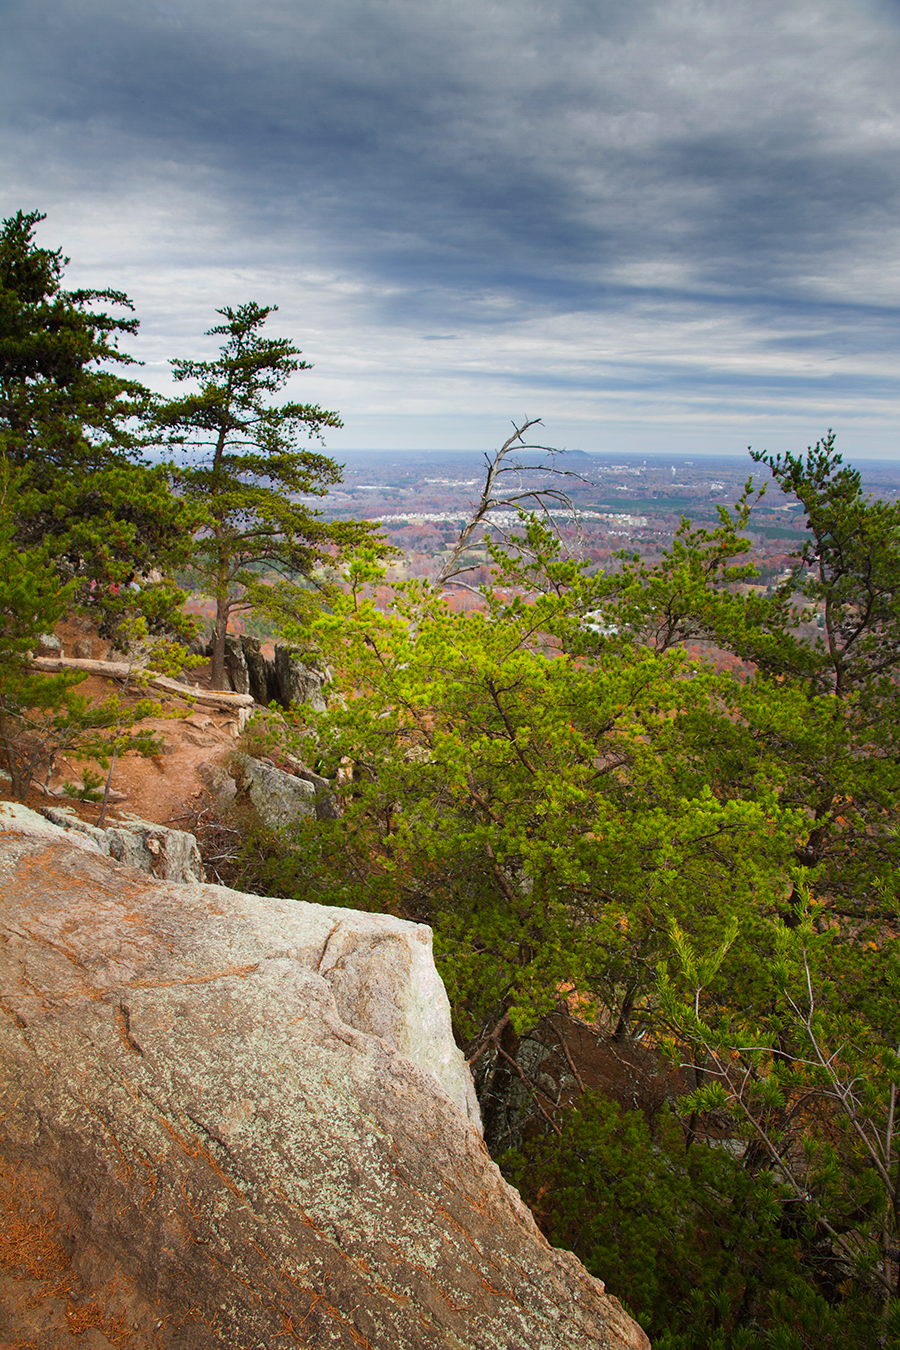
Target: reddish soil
x=161, y=788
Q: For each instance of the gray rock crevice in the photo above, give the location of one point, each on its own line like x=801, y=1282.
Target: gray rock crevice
x=284, y=679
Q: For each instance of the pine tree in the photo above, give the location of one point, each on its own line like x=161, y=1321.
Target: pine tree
x=240, y=461
x=76, y=424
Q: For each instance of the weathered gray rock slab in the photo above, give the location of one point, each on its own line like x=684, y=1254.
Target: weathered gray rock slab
x=298, y=683
x=278, y=798
x=181, y=1076
x=171, y=855
x=236, y=665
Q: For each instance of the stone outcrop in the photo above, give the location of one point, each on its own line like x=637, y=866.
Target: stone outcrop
x=284, y=680
x=48, y=644
x=297, y=682
x=171, y=855
x=236, y=665
x=251, y=1122
x=260, y=672
x=278, y=798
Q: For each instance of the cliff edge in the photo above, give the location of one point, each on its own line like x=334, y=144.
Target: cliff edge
x=249, y=1124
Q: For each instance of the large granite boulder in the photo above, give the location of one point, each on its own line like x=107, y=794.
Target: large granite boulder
x=252, y=1124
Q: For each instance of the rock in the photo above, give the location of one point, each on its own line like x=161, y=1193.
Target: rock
x=298, y=683
x=286, y=680
x=88, y=792
x=327, y=805
x=211, y=1091
x=199, y=738
x=48, y=644
x=260, y=672
x=172, y=855
x=278, y=798
x=84, y=649
x=200, y=721
x=220, y=784
x=236, y=666
x=18, y=819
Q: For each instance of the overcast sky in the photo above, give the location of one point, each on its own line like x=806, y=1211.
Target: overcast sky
x=658, y=226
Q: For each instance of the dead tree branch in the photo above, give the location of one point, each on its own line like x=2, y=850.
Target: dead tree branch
x=499, y=493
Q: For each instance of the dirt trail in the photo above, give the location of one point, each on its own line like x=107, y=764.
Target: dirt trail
x=163, y=788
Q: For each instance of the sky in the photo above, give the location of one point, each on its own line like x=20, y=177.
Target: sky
x=662, y=227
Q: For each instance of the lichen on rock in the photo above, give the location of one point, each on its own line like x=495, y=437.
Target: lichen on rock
x=251, y=1114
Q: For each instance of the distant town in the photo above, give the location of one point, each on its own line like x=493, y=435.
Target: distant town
x=422, y=498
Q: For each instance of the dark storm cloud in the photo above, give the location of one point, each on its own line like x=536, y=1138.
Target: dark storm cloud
x=478, y=164
x=459, y=146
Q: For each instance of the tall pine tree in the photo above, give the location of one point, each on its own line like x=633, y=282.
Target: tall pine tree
x=241, y=462
x=74, y=424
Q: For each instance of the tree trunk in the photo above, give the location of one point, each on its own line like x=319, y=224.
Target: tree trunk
x=19, y=769
x=217, y=675
x=497, y=1089
x=625, y=1012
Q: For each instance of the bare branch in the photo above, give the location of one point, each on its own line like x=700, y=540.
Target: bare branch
x=494, y=496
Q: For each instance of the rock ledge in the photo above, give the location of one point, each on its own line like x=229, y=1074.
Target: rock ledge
x=247, y=1118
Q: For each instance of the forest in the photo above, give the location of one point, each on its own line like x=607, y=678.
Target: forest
x=652, y=800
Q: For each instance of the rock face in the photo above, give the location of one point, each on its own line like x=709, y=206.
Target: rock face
x=278, y=798
x=260, y=672
x=298, y=683
x=250, y=1118
x=285, y=680
x=171, y=855
x=236, y=665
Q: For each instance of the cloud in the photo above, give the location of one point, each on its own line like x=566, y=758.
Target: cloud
x=408, y=169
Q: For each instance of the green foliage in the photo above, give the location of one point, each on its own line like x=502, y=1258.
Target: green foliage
x=90, y=790
x=240, y=464
x=241, y=853
x=849, y=568
x=807, y=1076
x=75, y=423
x=35, y=709
x=575, y=805
x=41, y=715
x=702, y=1251
x=549, y=817
x=115, y=726
x=61, y=406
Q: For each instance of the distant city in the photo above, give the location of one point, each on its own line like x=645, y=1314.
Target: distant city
x=422, y=498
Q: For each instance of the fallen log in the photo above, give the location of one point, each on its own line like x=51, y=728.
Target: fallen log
x=121, y=670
